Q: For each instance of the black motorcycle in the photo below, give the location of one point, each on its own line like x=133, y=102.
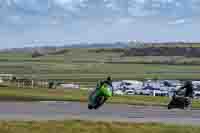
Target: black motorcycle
x=179, y=102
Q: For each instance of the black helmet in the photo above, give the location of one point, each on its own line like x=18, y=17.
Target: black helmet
x=188, y=82
x=109, y=78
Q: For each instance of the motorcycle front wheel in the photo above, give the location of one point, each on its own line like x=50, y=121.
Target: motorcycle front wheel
x=99, y=102
x=90, y=107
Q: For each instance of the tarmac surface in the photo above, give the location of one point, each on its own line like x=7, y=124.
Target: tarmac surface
x=39, y=111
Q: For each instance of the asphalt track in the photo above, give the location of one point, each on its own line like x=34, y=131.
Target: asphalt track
x=39, y=111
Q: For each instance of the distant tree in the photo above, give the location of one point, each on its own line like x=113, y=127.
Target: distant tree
x=36, y=54
x=14, y=79
x=51, y=84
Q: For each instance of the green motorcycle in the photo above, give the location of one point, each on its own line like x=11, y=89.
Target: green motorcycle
x=99, y=96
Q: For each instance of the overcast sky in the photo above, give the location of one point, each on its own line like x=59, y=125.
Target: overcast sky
x=72, y=21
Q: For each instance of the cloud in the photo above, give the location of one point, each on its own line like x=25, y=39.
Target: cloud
x=195, y=5
x=126, y=7
x=179, y=22
x=65, y=12
x=15, y=19
x=39, y=6
x=71, y=5
x=98, y=20
x=112, y=4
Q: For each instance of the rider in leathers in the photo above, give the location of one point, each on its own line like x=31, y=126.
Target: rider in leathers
x=189, y=91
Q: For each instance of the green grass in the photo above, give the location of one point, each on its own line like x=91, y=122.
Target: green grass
x=124, y=71
x=77, y=126
x=87, y=67
x=87, y=72
x=38, y=94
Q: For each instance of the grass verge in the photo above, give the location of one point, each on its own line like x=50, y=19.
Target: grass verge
x=77, y=126
x=38, y=94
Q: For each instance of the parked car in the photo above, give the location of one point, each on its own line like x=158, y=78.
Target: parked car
x=118, y=92
x=130, y=84
x=160, y=93
x=130, y=92
x=138, y=91
x=148, y=90
x=197, y=94
x=116, y=85
x=145, y=92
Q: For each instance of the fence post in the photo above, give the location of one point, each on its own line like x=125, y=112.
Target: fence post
x=32, y=83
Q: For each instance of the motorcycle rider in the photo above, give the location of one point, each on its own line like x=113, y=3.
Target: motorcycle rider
x=189, y=91
x=108, y=81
